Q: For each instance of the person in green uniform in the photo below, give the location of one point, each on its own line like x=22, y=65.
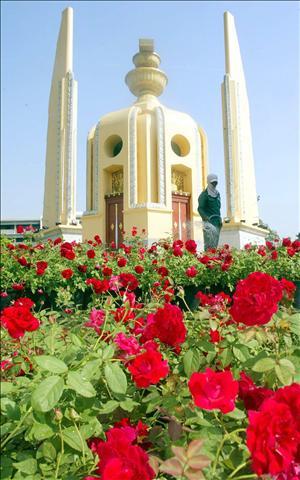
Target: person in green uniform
x=209, y=208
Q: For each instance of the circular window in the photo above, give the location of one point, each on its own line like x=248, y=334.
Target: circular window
x=113, y=145
x=180, y=145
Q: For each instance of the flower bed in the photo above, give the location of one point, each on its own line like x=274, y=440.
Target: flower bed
x=106, y=372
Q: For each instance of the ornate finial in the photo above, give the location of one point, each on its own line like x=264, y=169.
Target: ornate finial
x=146, y=78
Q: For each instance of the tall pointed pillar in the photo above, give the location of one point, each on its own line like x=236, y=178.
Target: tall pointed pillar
x=59, y=212
x=242, y=210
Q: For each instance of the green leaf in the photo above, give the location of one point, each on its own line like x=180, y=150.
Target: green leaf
x=28, y=466
x=109, y=407
x=128, y=404
x=236, y=414
x=6, y=468
x=285, y=370
x=76, y=340
x=92, y=369
x=226, y=357
x=50, y=363
x=91, y=429
x=115, y=378
x=264, y=365
x=41, y=431
x=71, y=437
x=47, y=394
x=78, y=383
x=108, y=352
x=295, y=323
x=191, y=362
x=241, y=353
x=10, y=409
x=49, y=451
x=5, y=388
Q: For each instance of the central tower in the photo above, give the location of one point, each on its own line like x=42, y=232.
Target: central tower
x=146, y=164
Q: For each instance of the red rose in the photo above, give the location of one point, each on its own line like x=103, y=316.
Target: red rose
x=256, y=299
x=148, y=368
x=288, y=288
x=167, y=325
x=22, y=261
x=11, y=246
x=66, y=251
x=215, y=336
x=291, y=251
x=252, y=395
x=296, y=245
x=122, y=262
x=98, y=239
x=107, y=271
x=205, y=259
x=17, y=320
x=274, y=255
x=163, y=271
x=91, y=253
x=99, y=286
x=178, y=243
x=286, y=242
x=290, y=396
x=214, y=390
x=119, y=458
x=18, y=286
x=128, y=280
x=24, y=302
x=139, y=269
x=191, y=271
x=82, y=268
x=57, y=241
x=41, y=267
x=191, y=246
x=20, y=229
x=272, y=438
x=262, y=250
x=177, y=252
x=67, y=273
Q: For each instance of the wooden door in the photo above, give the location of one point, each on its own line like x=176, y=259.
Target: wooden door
x=114, y=219
x=181, y=217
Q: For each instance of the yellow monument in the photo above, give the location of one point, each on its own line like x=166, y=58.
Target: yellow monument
x=146, y=164
x=59, y=212
x=242, y=210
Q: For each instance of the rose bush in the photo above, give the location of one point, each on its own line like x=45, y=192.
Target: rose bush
x=107, y=374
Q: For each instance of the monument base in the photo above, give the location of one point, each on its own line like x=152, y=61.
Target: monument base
x=68, y=233
x=238, y=235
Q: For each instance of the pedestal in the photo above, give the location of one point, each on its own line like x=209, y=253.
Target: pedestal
x=68, y=233
x=239, y=234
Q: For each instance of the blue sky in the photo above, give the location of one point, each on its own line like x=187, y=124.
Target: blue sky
x=189, y=38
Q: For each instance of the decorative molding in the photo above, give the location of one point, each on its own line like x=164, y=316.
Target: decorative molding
x=240, y=154
x=96, y=165
x=229, y=156
x=198, y=160
x=58, y=155
x=132, y=119
x=161, y=156
x=148, y=205
x=69, y=150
